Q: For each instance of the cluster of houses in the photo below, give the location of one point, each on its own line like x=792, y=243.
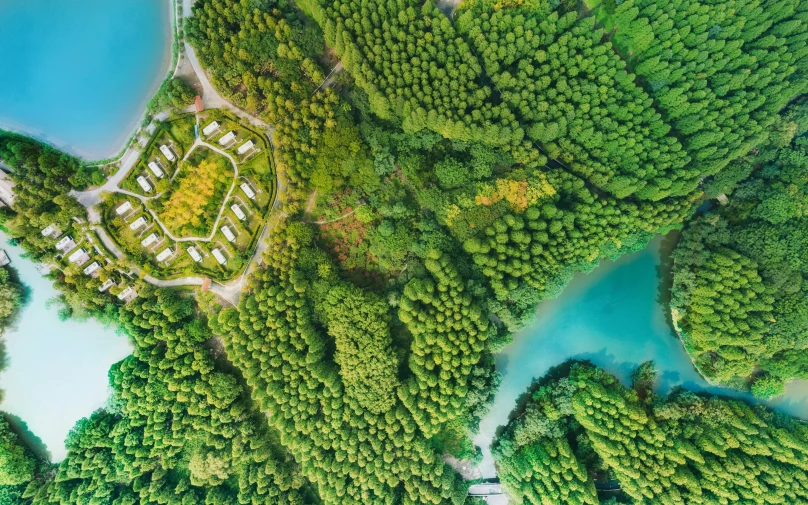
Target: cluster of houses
x=139, y=223
x=168, y=252
x=228, y=139
x=156, y=168
x=80, y=257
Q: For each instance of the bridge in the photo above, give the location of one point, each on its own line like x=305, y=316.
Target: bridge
x=491, y=492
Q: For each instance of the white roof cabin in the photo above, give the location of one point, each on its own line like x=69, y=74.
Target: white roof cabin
x=247, y=190
x=50, y=230
x=151, y=239
x=65, y=244
x=228, y=233
x=156, y=170
x=106, y=285
x=228, y=137
x=137, y=223
x=165, y=254
x=144, y=184
x=194, y=254
x=219, y=256
x=79, y=257
x=243, y=148
x=127, y=294
x=4, y=259
x=167, y=152
x=238, y=212
x=210, y=128
x=124, y=208
x=93, y=268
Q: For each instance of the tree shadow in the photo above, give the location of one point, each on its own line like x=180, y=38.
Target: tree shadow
x=33, y=442
x=665, y=274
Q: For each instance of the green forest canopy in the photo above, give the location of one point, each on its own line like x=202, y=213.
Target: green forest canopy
x=581, y=430
x=491, y=159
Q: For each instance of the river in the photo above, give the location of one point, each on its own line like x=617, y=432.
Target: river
x=612, y=317
x=78, y=74
x=58, y=369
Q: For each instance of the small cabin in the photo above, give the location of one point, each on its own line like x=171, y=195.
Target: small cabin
x=228, y=233
x=79, y=257
x=137, y=223
x=194, y=254
x=228, y=138
x=219, y=256
x=243, y=148
x=238, y=212
x=151, y=239
x=247, y=190
x=106, y=285
x=124, y=208
x=4, y=259
x=51, y=231
x=65, y=244
x=167, y=152
x=144, y=184
x=210, y=128
x=156, y=170
x=92, y=269
x=127, y=295
x=165, y=254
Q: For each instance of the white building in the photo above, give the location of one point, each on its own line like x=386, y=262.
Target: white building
x=79, y=257
x=247, y=190
x=243, y=148
x=212, y=127
x=106, y=285
x=219, y=256
x=238, y=212
x=93, y=268
x=51, y=231
x=151, y=239
x=227, y=139
x=156, y=170
x=123, y=208
x=144, y=184
x=167, y=153
x=228, y=233
x=127, y=295
x=137, y=223
x=194, y=254
x=65, y=244
x=165, y=254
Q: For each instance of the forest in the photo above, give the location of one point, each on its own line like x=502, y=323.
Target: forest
x=464, y=170
x=583, y=438
x=741, y=272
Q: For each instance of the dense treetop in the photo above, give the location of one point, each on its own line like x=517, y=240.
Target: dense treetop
x=582, y=430
x=741, y=277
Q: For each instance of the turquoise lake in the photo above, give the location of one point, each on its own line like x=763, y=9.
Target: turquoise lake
x=78, y=74
x=57, y=370
x=612, y=317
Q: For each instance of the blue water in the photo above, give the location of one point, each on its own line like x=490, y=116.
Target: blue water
x=78, y=73
x=613, y=318
x=58, y=369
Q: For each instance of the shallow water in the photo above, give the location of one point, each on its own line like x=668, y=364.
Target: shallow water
x=78, y=74
x=613, y=318
x=58, y=369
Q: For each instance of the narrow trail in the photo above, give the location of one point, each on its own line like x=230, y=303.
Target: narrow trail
x=326, y=221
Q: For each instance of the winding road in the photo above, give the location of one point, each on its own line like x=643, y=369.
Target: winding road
x=229, y=291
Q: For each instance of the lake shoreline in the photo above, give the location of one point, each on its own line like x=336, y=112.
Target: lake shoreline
x=118, y=145
x=58, y=369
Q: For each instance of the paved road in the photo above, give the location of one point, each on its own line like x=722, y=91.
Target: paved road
x=490, y=492
x=89, y=199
